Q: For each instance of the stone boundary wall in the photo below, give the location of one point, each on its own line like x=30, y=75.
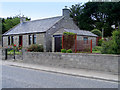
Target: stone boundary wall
x=98, y=62
x=11, y=57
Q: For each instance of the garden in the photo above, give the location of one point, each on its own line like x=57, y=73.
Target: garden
x=13, y=49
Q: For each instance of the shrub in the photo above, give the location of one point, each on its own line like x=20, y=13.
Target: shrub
x=100, y=42
x=68, y=33
x=63, y=50
x=69, y=51
x=35, y=48
x=112, y=46
x=116, y=41
x=107, y=47
x=97, y=32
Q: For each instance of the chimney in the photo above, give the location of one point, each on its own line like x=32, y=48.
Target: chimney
x=22, y=19
x=66, y=12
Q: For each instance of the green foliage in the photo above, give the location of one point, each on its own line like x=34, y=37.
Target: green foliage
x=112, y=46
x=97, y=48
x=100, y=42
x=96, y=15
x=107, y=47
x=116, y=41
x=69, y=51
x=96, y=52
x=35, y=48
x=97, y=32
x=12, y=52
x=68, y=33
x=63, y=50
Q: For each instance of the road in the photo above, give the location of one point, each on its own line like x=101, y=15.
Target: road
x=17, y=77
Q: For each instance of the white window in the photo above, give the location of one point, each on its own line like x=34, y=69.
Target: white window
x=34, y=39
x=85, y=40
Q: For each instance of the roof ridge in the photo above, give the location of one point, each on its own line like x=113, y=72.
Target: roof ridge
x=44, y=18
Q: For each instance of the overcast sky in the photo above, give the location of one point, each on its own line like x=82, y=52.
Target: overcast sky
x=35, y=10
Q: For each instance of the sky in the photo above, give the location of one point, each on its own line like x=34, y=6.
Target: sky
x=34, y=10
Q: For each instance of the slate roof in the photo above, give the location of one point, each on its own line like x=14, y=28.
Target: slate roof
x=41, y=25
x=81, y=32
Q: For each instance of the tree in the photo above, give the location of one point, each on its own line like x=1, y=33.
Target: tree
x=10, y=22
x=97, y=15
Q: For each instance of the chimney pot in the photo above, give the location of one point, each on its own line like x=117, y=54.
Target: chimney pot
x=66, y=12
x=22, y=19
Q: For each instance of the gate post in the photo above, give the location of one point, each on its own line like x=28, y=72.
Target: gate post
x=91, y=45
x=62, y=41
x=14, y=54
x=75, y=43
x=6, y=54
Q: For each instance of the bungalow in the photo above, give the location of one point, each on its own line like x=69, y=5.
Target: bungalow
x=44, y=31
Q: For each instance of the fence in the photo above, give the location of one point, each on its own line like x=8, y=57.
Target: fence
x=71, y=42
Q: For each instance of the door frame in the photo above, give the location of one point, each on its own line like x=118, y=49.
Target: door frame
x=55, y=36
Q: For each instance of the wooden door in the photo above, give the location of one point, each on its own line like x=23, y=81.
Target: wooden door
x=20, y=41
x=58, y=44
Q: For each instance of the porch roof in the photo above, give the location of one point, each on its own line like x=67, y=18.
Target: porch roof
x=81, y=32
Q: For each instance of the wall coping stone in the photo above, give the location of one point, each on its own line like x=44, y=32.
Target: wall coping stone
x=76, y=54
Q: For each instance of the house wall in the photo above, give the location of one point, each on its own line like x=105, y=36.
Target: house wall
x=25, y=41
x=5, y=41
x=64, y=23
x=16, y=40
x=89, y=38
x=39, y=40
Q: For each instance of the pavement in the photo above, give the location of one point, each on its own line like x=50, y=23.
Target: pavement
x=18, y=77
x=74, y=72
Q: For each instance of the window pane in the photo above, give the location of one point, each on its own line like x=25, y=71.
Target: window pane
x=30, y=39
x=8, y=40
x=34, y=39
x=85, y=40
x=12, y=39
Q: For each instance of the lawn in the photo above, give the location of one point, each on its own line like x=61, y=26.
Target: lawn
x=97, y=49
x=12, y=52
x=96, y=52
